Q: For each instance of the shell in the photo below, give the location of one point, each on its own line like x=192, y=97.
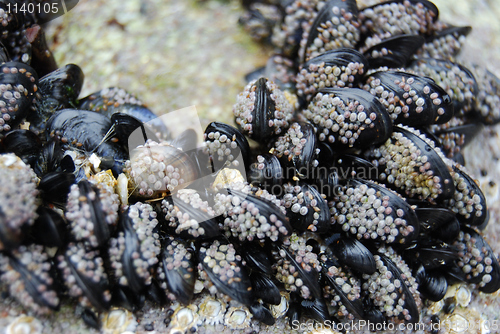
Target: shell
x=155, y=169
x=57, y=90
x=410, y=99
x=393, y=52
x=349, y=117
x=396, y=220
x=85, y=276
x=428, y=178
x=135, y=250
x=336, y=68
x=177, y=270
x=92, y=212
x=19, y=85
x=24, y=324
x=28, y=273
x=227, y=146
x=297, y=151
x=307, y=209
x=226, y=271
x=262, y=110
x=335, y=25
x=266, y=173
x=17, y=200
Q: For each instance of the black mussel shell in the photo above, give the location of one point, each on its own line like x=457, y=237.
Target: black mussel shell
x=297, y=151
x=155, y=293
x=51, y=158
x=351, y=252
x=468, y=202
x=115, y=100
x=90, y=318
x=403, y=291
x=350, y=166
x=306, y=208
x=401, y=222
x=227, y=146
x=261, y=313
x=431, y=284
x=257, y=257
x=448, y=232
x=294, y=312
x=35, y=277
x=327, y=181
x=454, y=138
x=316, y=309
x=265, y=289
x=394, y=52
x=139, y=245
x=336, y=25
x=201, y=161
x=266, y=173
x=408, y=145
x=23, y=143
x=55, y=186
x=336, y=68
x=57, y=90
x=266, y=220
x=432, y=218
x=410, y=99
x=336, y=277
x=4, y=54
x=92, y=217
x=187, y=221
x=478, y=262
x=349, y=117
x=178, y=265
x=430, y=253
x=304, y=269
x=123, y=296
x=130, y=131
x=85, y=276
x=446, y=43
x=225, y=270
x=371, y=313
x=457, y=80
x=42, y=59
x=186, y=141
x=16, y=101
x=438, y=222
x=262, y=111
x=87, y=131
x=50, y=229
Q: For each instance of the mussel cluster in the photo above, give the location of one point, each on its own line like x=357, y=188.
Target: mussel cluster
x=351, y=200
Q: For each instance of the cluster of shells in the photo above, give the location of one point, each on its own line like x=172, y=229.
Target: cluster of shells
x=350, y=202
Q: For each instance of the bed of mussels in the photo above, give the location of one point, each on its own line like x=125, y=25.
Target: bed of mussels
x=357, y=204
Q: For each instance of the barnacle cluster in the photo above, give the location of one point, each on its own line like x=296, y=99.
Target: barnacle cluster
x=112, y=212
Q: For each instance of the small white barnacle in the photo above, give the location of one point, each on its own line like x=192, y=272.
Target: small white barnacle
x=24, y=325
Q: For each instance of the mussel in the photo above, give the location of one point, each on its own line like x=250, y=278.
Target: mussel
x=262, y=110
